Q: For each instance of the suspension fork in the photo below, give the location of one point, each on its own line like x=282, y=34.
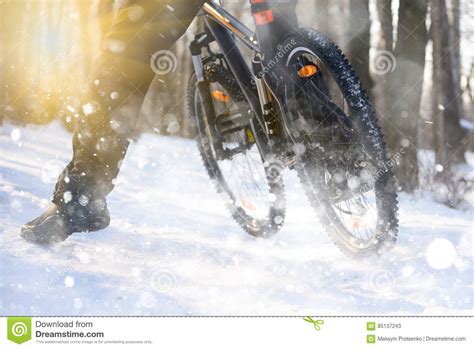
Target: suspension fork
x=242, y=74
x=200, y=41
x=264, y=126
x=266, y=98
x=271, y=27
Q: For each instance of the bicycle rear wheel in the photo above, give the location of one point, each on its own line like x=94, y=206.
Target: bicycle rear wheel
x=253, y=192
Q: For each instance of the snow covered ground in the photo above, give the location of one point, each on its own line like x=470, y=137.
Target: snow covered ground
x=172, y=249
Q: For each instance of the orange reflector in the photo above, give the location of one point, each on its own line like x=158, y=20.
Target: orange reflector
x=220, y=96
x=307, y=71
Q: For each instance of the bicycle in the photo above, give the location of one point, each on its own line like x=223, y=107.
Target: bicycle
x=299, y=105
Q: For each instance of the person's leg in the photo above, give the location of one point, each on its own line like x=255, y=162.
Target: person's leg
x=117, y=85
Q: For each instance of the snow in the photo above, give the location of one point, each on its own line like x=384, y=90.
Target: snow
x=172, y=248
x=466, y=124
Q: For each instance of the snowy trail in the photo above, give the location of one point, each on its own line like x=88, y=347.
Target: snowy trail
x=172, y=249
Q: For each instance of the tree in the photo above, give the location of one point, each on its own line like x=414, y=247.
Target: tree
x=449, y=140
x=384, y=12
x=406, y=82
x=385, y=51
x=321, y=16
x=359, y=41
x=455, y=37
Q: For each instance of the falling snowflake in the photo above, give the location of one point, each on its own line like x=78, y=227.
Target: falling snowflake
x=67, y=196
x=89, y=108
x=69, y=281
x=440, y=254
x=15, y=135
x=278, y=219
x=77, y=303
x=83, y=200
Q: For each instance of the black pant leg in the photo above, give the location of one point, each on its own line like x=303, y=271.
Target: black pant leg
x=118, y=82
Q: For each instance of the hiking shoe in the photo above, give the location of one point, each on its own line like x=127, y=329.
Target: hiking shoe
x=57, y=223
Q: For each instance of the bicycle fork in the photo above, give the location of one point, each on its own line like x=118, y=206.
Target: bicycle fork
x=265, y=126
x=273, y=113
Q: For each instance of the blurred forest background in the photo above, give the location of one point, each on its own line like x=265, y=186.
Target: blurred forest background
x=415, y=58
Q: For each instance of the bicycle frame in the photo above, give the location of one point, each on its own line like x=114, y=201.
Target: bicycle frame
x=224, y=28
x=225, y=19
x=271, y=92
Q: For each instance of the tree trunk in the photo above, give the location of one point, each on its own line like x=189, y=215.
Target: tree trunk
x=384, y=51
x=455, y=31
x=384, y=12
x=452, y=151
x=406, y=82
x=321, y=17
x=359, y=41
